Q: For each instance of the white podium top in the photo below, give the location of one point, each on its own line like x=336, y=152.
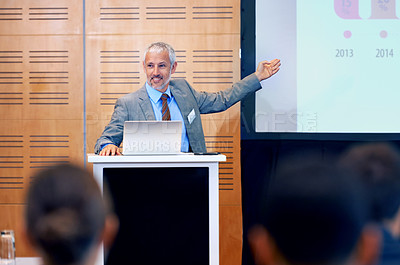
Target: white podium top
x=29, y=261
x=189, y=157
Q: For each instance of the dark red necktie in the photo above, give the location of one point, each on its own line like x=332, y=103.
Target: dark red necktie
x=166, y=116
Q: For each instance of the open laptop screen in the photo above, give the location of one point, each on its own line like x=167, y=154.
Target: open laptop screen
x=152, y=137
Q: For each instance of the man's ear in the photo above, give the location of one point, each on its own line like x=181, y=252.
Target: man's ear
x=173, y=69
x=263, y=246
x=110, y=230
x=369, y=246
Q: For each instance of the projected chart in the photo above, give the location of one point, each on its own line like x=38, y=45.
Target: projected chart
x=380, y=9
x=347, y=68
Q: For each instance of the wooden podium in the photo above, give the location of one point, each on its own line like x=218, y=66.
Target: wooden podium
x=168, y=207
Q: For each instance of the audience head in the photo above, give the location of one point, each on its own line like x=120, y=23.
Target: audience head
x=313, y=214
x=66, y=216
x=377, y=165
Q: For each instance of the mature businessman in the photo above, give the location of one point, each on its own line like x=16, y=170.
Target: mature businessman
x=184, y=103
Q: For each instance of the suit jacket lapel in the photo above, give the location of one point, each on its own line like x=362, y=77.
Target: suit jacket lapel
x=145, y=104
x=181, y=101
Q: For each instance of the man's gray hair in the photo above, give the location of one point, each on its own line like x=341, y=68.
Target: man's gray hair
x=159, y=47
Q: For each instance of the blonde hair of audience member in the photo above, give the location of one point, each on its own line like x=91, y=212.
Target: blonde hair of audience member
x=66, y=216
x=312, y=214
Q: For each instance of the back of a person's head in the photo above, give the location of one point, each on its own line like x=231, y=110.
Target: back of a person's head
x=314, y=213
x=377, y=166
x=65, y=214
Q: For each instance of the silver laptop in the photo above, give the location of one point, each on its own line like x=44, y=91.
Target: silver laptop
x=152, y=137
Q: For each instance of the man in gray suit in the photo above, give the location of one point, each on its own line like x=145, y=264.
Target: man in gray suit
x=184, y=103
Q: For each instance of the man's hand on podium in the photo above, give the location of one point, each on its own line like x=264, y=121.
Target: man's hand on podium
x=110, y=149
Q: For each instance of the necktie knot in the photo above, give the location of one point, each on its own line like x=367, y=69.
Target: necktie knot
x=164, y=97
x=166, y=116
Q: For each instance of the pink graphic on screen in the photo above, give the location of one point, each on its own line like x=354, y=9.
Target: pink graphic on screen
x=380, y=9
x=347, y=9
x=383, y=9
x=347, y=34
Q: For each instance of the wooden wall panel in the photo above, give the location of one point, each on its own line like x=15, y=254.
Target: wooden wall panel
x=42, y=85
x=163, y=17
x=54, y=141
x=222, y=132
x=14, y=220
x=12, y=157
x=41, y=97
x=27, y=17
x=230, y=235
x=29, y=145
x=41, y=77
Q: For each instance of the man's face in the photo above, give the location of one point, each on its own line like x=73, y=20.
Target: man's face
x=158, y=70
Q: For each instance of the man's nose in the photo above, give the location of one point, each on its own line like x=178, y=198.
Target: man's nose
x=156, y=70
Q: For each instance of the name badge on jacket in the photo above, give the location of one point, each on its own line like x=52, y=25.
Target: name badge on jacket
x=191, y=116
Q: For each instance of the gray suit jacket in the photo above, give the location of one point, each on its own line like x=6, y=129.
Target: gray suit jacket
x=137, y=106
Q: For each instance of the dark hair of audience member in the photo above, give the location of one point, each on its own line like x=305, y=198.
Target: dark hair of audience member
x=65, y=214
x=377, y=165
x=314, y=212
